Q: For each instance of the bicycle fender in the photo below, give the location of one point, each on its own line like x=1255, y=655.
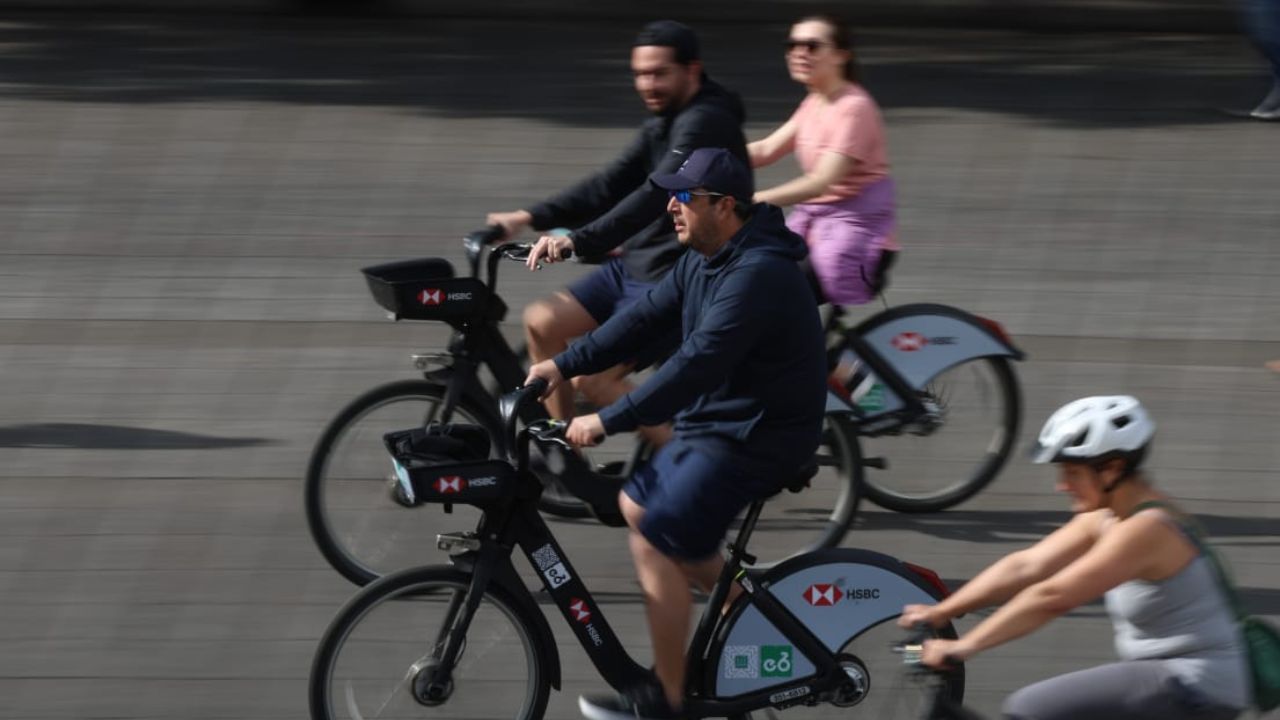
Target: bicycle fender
x=836, y=593
x=510, y=584
x=921, y=340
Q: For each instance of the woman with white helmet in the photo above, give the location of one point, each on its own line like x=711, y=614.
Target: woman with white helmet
x=1180, y=649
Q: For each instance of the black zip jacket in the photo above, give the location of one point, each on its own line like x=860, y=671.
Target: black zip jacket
x=619, y=206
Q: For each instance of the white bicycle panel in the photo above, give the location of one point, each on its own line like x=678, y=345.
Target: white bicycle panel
x=835, y=601
x=921, y=346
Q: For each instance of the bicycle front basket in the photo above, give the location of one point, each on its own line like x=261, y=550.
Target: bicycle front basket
x=444, y=463
x=426, y=289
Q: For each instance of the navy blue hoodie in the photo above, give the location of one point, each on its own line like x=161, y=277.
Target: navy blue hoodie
x=750, y=375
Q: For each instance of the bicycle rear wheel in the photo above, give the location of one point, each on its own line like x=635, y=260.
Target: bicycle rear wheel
x=353, y=520
x=955, y=451
x=820, y=515
x=378, y=655
x=880, y=685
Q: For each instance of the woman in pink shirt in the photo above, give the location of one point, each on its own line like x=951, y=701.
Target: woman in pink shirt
x=844, y=204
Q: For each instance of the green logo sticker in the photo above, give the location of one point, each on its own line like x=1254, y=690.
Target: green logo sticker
x=873, y=401
x=775, y=661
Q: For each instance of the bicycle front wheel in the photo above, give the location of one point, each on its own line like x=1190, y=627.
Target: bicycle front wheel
x=356, y=525
x=381, y=657
x=957, y=448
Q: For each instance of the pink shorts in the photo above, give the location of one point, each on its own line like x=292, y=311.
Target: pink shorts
x=846, y=238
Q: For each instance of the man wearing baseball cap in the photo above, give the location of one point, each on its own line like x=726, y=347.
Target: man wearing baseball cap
x=746, y=390
x=617, y=208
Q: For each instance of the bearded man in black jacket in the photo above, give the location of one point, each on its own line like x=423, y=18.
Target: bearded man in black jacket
x=617, y=208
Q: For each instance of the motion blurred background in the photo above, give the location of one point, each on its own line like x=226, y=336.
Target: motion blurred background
x=188, y=189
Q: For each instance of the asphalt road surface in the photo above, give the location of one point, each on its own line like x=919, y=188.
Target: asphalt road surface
x=185, y=204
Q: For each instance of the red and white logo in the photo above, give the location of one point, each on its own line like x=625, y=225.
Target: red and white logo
x=580, y=611
x=450, y=484
x=822, y=595
x=430, y=296
x=909, y=341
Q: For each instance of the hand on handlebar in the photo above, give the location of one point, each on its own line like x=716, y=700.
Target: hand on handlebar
x=585, y=431
x=510, y=222
x=550, y=249
x=547, y=372
x=943, y=654
x=914, y=615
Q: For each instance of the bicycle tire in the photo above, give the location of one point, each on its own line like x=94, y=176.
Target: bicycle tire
x=887, y=496
x=391, y=646
x=339, y=552
x=869, y=643
x=839, y=451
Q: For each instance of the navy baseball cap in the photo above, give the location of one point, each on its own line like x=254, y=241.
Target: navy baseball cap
x=714, y=169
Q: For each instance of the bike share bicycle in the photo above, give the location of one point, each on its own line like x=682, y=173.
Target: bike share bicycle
x=363, y=535
x=931, y=386
x=467, y=640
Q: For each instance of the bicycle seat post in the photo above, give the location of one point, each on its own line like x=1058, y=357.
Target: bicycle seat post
x=738, y=549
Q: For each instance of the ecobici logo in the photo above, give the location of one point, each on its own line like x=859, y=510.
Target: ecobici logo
x=775, y=661
x=746, y=662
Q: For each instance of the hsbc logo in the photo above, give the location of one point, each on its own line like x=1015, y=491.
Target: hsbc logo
x=913, y=341
x=822, y=595
x=430, y=296
x=579, y=611
x=450, y=484
x=828, y=594
x=909, y=341
x=455, y=296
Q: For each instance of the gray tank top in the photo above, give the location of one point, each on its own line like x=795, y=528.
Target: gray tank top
x=1186, y=621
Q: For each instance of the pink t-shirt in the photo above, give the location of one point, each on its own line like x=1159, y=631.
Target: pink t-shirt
x=849, y=125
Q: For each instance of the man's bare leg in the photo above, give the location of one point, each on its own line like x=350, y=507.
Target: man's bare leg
x=603, y=389
x=668, y=603
x=549, y=325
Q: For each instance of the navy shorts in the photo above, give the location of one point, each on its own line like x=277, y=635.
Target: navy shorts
x=608, y=289
x=691, y=496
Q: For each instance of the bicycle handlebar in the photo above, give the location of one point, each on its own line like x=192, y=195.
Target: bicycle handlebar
x=912, y=650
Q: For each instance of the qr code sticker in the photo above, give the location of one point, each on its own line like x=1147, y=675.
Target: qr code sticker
x=556, y=575
x=741, y=662
x=546, y=557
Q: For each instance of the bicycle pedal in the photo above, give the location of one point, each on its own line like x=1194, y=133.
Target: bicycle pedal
x=878, y=463
x=459, y=542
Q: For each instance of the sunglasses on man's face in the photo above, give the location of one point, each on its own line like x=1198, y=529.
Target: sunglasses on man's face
x=684, y=197
x=812, y=46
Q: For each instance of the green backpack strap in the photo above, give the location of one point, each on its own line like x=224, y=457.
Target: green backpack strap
x=1196, y=534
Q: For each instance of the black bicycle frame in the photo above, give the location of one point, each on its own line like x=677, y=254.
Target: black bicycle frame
x=517, y=523
x=912, y=405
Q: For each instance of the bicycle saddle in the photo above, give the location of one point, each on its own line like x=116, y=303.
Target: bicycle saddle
x=803, y=475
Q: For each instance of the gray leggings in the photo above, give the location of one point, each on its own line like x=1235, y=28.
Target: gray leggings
x=1135, y=690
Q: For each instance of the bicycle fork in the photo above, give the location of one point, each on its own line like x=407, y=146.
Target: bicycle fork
x=433, y=676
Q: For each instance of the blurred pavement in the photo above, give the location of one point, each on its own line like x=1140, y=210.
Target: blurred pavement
x=185, y=204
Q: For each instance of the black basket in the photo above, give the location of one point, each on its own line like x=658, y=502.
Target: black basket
x=448, y=463
x=426, y=289
x=438, y=444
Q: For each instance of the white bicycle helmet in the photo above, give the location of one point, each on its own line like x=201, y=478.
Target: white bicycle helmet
x=1094, y=430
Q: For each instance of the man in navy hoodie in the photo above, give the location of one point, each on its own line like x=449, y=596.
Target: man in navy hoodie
x=746, y=389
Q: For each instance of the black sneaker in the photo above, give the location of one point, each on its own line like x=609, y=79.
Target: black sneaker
x=645, y=703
